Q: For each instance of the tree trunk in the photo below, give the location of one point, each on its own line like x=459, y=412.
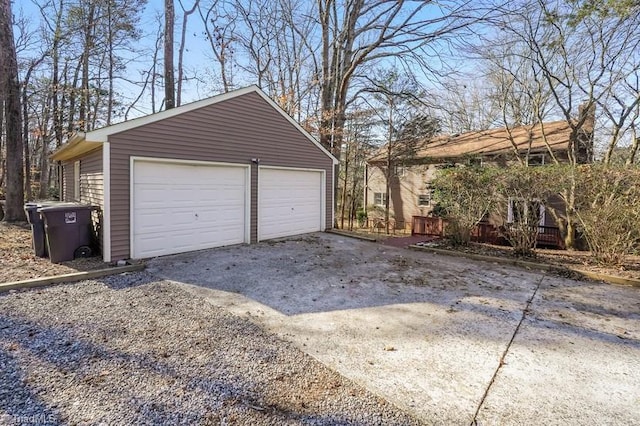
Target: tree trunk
x=343, y=198
x=112, y=64
x=169, y=80
x=55, y=78
x=83, y=110
x=185, y=19
x=25, y=128
x=634, y=148
x=25, y=139
x=13, y=211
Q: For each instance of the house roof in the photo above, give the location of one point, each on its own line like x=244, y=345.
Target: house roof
x=494, y=141
x=81, y=143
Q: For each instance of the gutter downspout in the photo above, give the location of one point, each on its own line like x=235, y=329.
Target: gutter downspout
x=60, y=182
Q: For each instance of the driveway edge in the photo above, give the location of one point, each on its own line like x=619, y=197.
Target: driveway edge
x=68, y=278
x=610, y=279
x=351, y=235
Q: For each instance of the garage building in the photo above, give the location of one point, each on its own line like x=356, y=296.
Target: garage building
x=226, y=170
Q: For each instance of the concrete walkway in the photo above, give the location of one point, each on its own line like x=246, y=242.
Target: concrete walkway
x=450, y=340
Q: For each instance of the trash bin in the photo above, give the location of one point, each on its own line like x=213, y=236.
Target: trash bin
x=69, y=231
x=38, y=238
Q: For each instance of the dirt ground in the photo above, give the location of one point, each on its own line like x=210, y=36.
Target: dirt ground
x=18, y=262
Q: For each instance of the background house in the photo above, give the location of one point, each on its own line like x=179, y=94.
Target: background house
x=230, y=169
x=410, y=191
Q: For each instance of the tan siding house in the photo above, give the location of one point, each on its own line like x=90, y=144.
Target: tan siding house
x=189, y=178
x=409, y=186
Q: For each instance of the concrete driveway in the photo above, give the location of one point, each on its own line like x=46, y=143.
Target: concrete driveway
x=452, y=341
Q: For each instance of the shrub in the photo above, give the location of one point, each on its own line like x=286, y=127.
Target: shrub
x=361, y=217
x=608, y=210
x=465, y=195
x=521, y=193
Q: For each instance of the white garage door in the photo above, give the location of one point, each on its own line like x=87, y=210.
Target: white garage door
x=184, y=207
x=290, y=202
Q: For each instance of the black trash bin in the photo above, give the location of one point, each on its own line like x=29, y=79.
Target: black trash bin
x=69, y=231
x=38, y=238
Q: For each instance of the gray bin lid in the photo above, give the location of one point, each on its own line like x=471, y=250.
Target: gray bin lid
x=67, y=206
x=41, y=204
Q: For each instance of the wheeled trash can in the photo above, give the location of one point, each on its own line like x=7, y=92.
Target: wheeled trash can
x=68, y=230
x=38, y=238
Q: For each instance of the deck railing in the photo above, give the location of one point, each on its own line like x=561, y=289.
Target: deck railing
x=548, y=236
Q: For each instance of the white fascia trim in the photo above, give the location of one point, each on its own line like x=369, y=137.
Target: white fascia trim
x=300, y=169
x=132, y=225
x=323, y=202
x=247, y=205
x=133, y=159
x=106, y=201
x=296, y=125
x=101, y=135
x=188, y=162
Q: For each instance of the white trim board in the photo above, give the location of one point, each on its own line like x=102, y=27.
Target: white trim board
x=106, y=201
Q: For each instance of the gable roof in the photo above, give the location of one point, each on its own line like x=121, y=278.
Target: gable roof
x=494, y=142
x=81, y=143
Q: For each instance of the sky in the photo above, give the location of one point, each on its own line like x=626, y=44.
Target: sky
x=197, y=61
x=151, y=21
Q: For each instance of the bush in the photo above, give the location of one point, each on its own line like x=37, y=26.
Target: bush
x=520, y=194
x=53, y=193
x=465, y=195
x=361, y=217
x=608, y=210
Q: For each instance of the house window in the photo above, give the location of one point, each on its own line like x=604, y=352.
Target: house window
x=379, y=198
x=76, y=181
x=425, y=200
x=399, y=171
x=535, y=160
x=528, y=212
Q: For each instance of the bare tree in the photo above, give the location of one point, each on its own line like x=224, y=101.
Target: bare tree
x=10, y=98
x=183, y=33
x=358, y=32
x=559, y=62
x=219, y=26
x=465, y=105
x=398, y=101
x=169, y=80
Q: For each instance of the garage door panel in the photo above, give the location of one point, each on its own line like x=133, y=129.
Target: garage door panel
x=178, y=207
x=290, y=202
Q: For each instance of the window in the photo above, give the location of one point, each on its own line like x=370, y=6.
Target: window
x=76, y=181
x=379, y=198
x=535, y=160
x=399, y=170
x=521, y=211
x=426, y=199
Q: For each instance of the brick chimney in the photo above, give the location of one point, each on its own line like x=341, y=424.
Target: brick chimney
x=589, y=114
x=584, y=143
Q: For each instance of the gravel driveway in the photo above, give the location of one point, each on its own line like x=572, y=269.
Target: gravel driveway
x=137, y=350
x=451, y=341
x=229, y=336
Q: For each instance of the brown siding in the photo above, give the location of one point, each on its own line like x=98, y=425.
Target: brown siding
x=232, y=131
x=91, y=178
x=68, y=182
x=91, y=187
